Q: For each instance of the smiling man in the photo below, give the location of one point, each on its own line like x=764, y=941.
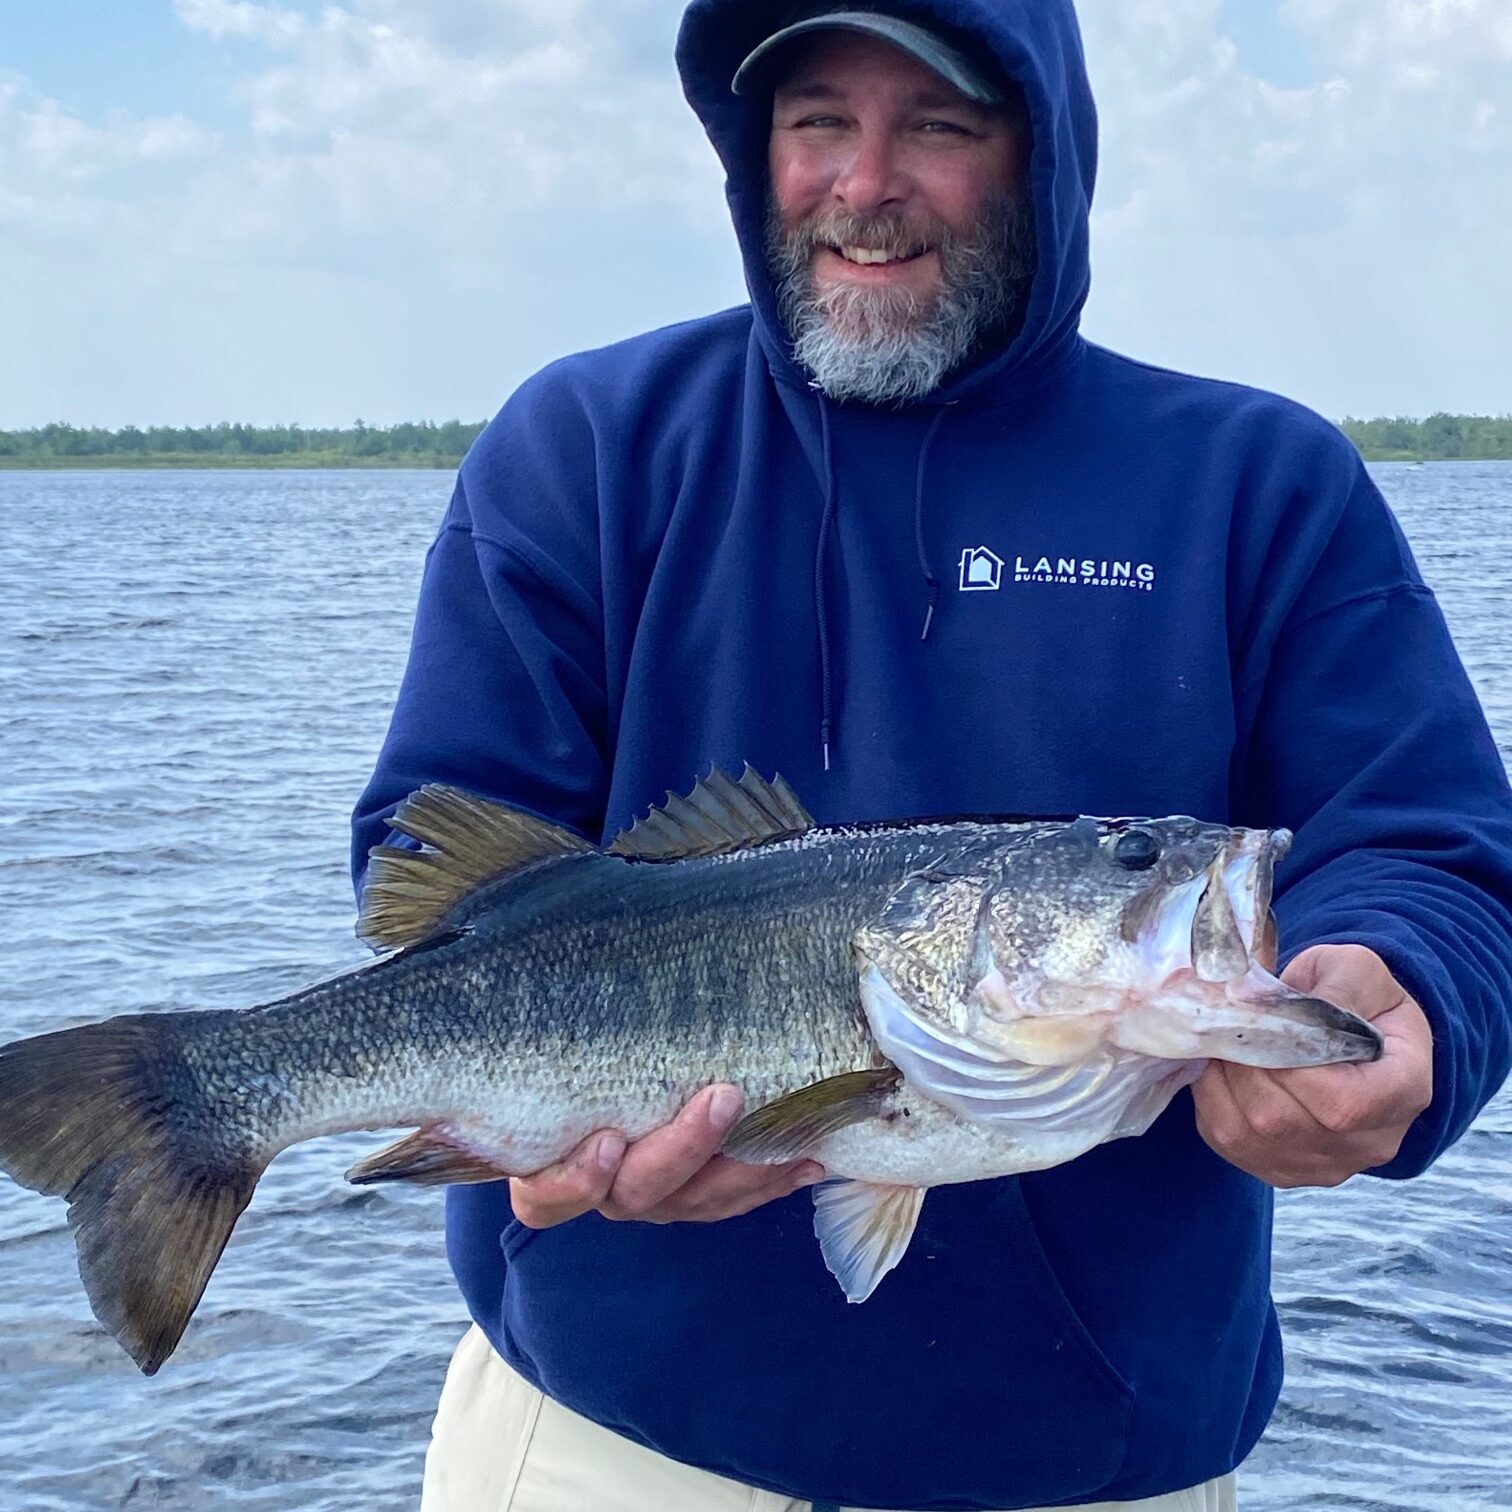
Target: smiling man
x=900, y=237
x=719, y=543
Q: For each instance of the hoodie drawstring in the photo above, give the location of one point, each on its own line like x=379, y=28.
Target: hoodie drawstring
x=821, y=553
x=821, y=604
x=931, y=582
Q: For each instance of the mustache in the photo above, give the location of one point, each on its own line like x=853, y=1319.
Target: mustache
x=892, y=234
x=890, y=345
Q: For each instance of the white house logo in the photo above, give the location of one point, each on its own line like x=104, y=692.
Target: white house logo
x=981, y=570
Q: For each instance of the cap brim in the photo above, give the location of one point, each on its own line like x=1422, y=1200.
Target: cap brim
x=929, y=49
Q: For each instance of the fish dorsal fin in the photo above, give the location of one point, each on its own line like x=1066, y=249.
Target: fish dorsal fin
x=467, y=841
x=717, y=816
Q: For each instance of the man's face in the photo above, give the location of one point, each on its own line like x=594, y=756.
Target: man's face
x=860, y=128
x=900, y=236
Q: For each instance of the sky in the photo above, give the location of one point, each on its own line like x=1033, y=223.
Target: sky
x=398, y=209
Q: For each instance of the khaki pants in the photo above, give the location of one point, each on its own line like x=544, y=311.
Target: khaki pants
x=499, y=1445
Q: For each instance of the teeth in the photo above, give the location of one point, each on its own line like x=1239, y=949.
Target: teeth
x=867, y=255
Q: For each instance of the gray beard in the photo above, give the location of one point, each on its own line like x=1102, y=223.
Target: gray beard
x=886, y=346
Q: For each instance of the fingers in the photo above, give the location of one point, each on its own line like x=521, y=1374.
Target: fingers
x=1354, y=1099
x=1257, y=1121
x=1349, y=976
x=726, y=1189
x=572, y=1187
x=669, y=1157
x=674, y=1174
x=1365, y=1098
x=1259, y=1127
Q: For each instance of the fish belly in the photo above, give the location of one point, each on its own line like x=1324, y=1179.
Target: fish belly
x=919, y=1143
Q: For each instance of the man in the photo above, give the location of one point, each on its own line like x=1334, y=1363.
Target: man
x=896, y=531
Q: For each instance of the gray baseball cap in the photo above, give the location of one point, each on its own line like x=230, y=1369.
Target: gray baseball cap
x=928, y=47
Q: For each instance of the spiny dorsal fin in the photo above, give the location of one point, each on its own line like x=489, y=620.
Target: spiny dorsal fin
x=469, y=841
x=717, y=816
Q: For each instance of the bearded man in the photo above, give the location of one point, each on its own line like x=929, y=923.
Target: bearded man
x=896, y=530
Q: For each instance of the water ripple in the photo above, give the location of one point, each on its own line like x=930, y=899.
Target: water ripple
x=189, y=713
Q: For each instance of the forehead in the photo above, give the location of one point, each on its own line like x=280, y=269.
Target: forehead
x=846, y=63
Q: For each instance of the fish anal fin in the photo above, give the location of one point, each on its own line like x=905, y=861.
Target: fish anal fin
x=467, y=841
x=788, y=1128
x=864, y=1228
x=717, y=816
x=428, y=1157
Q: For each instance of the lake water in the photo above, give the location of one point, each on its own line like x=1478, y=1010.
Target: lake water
x=196, y=670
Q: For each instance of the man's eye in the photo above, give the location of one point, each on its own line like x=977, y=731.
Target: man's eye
x=944, y=128
x=819, y=121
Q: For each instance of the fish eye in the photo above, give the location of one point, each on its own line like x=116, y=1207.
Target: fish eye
x=1136, y=850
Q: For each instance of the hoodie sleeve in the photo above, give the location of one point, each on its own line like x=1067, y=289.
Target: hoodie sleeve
x=1366, y=738
x=503, y=693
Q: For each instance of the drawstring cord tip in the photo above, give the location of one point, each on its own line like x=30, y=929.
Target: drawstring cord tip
x=934, y=598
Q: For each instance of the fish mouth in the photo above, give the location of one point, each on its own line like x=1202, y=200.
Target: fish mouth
x=1246, y=872
x=1312, y=1025
x=1213, y=949
x=1217, y=921
x=1233, y=913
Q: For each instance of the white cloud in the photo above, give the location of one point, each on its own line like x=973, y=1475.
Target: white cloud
x=62, y=177
x=405, y=173
x=1344, y=241
x=371, y=116
x=45, y=139
x=241, y=20
x=1409, y=41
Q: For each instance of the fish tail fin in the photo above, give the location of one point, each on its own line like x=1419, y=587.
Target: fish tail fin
x=111, y=1117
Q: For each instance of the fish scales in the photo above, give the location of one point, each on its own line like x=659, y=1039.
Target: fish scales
x=605, y=995
x=907, y=1003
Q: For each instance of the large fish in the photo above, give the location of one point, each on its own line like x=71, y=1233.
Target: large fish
x=908, y=1004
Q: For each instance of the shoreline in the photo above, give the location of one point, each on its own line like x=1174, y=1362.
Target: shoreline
x=324, y=462
x=220, y=462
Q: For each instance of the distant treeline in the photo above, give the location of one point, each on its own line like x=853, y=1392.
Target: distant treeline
x=412, y=444
x=1486, y=438
x=1439, y=438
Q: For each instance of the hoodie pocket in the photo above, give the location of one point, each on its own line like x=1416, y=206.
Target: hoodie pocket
x=966, y=1380
x=1041, y=1281
x=516, y=1237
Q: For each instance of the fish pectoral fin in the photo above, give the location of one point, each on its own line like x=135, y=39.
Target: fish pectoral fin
x=789, y=1127
x=428, y=1157
x=864, y=1227
x=469, y=841
x=716, y=817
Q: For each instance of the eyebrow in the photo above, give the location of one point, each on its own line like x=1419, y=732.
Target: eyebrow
x=925, y=99
x=813, y=91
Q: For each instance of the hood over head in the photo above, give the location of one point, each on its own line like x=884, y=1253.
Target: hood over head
x=1036, y=44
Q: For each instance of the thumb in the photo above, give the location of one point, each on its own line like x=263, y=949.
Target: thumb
x=1349, y=976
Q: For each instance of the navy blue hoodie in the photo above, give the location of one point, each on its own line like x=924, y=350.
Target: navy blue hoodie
x=1153, y=594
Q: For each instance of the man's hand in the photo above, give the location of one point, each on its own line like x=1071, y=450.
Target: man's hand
x=1320, y=1125
x=672, y=1175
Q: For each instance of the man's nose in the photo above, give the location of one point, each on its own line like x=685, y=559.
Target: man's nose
x=873, y=178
